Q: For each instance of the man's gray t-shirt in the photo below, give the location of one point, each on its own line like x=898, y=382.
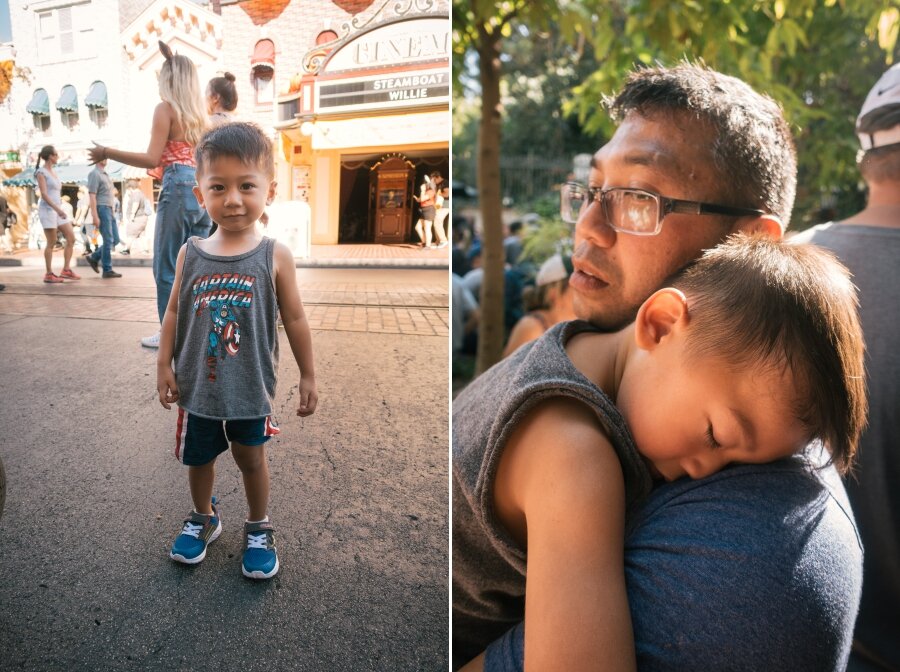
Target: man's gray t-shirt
x=758, y=567
x=872, y=253
x=100, y=184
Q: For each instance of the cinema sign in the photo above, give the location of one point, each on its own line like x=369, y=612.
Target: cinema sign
x=399, y=64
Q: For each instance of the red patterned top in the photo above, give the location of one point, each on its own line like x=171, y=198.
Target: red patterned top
x=175, y=151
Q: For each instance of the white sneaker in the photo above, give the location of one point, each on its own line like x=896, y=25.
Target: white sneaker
x=151, y=341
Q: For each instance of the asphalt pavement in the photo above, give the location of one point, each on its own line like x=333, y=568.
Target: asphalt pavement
x=95, y=496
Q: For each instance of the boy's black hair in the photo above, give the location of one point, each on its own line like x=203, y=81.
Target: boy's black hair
x=241, y=140
x=750, y=142
x=756, y=302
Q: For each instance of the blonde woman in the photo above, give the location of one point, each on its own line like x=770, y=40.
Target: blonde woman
x=52, y=215
x=178, y=123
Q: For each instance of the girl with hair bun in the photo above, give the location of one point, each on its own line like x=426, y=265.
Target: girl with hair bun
x=179, y=122
x=52, y=215
x=221, y=99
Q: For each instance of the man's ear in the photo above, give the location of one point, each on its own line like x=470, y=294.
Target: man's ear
x=199, y=196
x=768, y=225
x=658, y=316
x=272, y=190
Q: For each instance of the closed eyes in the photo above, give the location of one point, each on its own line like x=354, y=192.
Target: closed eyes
x=711, y=438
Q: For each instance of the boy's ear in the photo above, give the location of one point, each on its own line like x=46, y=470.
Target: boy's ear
x=273, y=187
x=767, y=225
x=199, y=196
x=658, y=317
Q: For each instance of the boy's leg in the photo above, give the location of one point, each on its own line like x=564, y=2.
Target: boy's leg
x=198, y=442
x=251, y=460
x=200, y=480
x=260, y=558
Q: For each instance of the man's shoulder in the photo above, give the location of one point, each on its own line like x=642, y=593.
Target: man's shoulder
x=770, y=552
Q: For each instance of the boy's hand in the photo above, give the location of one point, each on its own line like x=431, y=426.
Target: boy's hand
x=166, y=386
x=309, y=397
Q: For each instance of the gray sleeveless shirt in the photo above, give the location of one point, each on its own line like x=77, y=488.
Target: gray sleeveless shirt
x=488, y=565
x=226, y=338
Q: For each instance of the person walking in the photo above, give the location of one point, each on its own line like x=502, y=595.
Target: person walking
x=179, y=121
x=53, y=217
x=137, y=210
x=102, y=194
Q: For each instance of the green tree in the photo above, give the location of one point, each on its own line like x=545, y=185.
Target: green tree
x=480, y=29
x=818, y=58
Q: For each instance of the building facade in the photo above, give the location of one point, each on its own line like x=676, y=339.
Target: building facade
x=357, y=93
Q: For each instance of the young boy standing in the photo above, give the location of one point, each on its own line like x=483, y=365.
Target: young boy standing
x=221, y=329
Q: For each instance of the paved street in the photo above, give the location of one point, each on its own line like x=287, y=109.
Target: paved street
x=95, y=497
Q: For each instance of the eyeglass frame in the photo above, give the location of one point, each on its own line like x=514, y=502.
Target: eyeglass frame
x=664, y=206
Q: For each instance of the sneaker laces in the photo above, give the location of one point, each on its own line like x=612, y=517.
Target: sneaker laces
x=257, y=541
x=191, y=529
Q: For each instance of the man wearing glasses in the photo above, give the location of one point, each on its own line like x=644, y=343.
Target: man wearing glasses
x=757, y=567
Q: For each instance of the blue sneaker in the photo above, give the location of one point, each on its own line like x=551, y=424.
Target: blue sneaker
x=197, y=533
x=260, y=557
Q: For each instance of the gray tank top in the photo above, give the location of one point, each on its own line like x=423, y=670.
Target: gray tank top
x=488, y=565
x=226, y=338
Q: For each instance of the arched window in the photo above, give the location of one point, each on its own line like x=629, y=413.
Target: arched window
x=97, y=103
x=39, y=109
x=68, y=106
x=326, y=36
x=262, y=67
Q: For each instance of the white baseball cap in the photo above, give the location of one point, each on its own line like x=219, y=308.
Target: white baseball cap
x=885, y=92
x=558, y=267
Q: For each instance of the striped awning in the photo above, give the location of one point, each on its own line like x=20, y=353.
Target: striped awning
x=39, y=104
x=263, y=55
x=68, y=99
x=77, y=174
x=96, y=97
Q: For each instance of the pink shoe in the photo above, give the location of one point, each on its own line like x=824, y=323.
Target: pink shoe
x=52, y=278
x=69, y=274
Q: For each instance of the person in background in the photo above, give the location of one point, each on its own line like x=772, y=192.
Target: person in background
x=221, y=99
x=52, y=216
x=179, y=121
x=137, y=210
x=549, y=303
x=102, y=193
x=441, y=208
x=426, y=201
x=83, y=219
x=512, y=244
x=869, y=244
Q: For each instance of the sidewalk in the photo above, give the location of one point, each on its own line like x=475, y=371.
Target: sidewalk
x=321, y=256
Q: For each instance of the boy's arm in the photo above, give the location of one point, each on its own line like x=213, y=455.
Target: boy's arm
x=296, y=328
x=165, y=374
x=559, y=490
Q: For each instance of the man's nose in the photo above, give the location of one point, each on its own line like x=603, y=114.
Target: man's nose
x=593, y=227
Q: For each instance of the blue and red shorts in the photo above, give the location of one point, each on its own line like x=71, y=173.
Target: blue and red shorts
x=199, y=441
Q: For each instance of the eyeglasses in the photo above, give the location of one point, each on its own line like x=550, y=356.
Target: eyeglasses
x=635, y=210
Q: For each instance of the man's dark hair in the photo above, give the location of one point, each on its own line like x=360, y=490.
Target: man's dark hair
x=241, y=140
x=755, y=302
x=750, y=141
x=881, y=164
